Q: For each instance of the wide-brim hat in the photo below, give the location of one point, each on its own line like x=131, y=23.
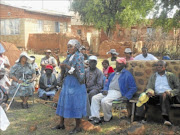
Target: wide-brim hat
x=113, y=51
x=143, y=98
x=29, y=59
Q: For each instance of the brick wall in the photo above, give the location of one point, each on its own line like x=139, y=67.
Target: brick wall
x=55, y=42
x=106, y=45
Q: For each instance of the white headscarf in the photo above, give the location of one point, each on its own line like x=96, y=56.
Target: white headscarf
x=75, y=43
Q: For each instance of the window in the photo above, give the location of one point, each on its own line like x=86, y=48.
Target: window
x=40, y=26
x=65, y=27
x=79, y=32
x=9, y=26
x=150, y=31
x=57, y=27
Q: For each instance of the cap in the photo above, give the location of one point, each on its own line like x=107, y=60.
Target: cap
x=121, y=60
x=48, y=51
x=49, y=67
x=128, y=50
x=143, y=98
x=113, y=51
x=93, y=58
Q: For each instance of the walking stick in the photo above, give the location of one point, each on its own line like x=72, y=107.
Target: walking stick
x=13, y=97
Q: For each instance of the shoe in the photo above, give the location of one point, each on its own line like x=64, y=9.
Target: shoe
x=44, y=96
x=167, y=123
x=90, y=119
x=144, y=121
x=96, y=121
x=27, y=106
x=23, y=105
x=102, y=118
x=75, y=130
x=58, y=127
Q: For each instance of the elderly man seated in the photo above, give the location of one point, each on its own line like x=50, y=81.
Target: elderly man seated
x=162, y=88
x=93, y=78
x=47, y=84
x=121, y=85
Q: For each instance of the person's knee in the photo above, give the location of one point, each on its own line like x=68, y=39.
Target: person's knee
x=104, y=102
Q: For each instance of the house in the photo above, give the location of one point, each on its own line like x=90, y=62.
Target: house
x=18, y=22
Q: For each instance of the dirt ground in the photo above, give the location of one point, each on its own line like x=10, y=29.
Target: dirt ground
x=41, y=118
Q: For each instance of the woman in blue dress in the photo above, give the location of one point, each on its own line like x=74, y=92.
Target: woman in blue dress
x=73, y=97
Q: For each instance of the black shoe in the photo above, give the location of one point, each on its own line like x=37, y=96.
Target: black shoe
x=27, y=106
x=75, y=130
x=44, y=96
x=23, y=105
x=97, y=122
x=102, y=119
x=58, y=127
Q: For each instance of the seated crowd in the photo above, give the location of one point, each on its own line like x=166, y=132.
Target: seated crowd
x=103, y=87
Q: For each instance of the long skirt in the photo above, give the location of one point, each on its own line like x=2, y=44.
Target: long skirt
x=73, y=99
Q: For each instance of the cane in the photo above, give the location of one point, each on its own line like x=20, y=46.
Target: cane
x=13, y=97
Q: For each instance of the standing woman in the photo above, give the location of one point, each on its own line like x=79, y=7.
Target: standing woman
x=24, y=74
x=73, y=97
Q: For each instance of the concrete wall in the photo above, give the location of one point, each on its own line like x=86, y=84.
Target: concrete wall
x=142, y=70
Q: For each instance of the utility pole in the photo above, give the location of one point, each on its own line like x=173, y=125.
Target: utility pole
x=42, y=4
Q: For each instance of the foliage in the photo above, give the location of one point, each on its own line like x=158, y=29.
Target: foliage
x=104, y=14
x=167, y=14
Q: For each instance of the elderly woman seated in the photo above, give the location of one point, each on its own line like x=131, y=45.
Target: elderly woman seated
x=22, y=75
x=47, y=84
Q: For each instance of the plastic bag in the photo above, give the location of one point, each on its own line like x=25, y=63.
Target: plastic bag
x=4, y=122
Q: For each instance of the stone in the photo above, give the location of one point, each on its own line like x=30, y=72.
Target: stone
x=136, y=129
x=167, y=133
x=176, y=68
x=139, y=74
x=141, y=81
x=124, y=123
x=32, y=128
x=148, y=71
x=88, y=126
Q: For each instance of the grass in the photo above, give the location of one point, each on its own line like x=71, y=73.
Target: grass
x=44, y=118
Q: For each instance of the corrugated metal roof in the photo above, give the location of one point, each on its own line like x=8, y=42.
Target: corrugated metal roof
x=42, y=11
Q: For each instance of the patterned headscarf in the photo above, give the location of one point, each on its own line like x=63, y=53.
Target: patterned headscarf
x=75, y=43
